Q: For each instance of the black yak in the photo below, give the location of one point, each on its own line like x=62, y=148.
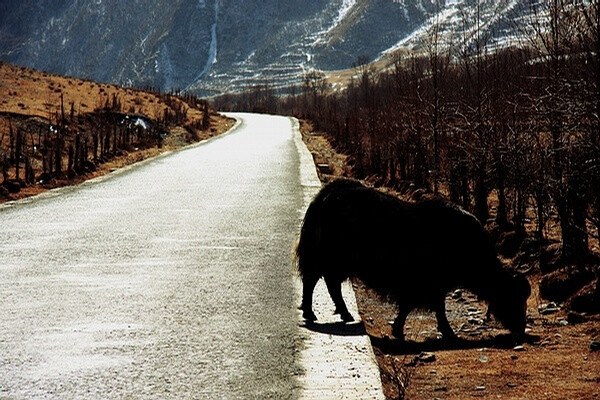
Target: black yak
x=412, y=254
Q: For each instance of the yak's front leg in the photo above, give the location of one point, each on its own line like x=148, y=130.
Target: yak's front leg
x=308, y=286
x=442, y=321
x=334, y=286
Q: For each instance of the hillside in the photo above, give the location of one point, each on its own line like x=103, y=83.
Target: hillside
x=94, y=127
x=218, y=46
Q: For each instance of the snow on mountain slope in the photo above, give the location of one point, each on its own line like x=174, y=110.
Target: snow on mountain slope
x=214, y=46
x=212, y=50
x=460, y=21
x=342, y=13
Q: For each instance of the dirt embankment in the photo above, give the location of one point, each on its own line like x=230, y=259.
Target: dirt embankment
x=560, y=360
x=93, y=128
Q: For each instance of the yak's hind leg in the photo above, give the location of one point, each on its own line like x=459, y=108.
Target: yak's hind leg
x=442, y=321
x=398, y=325
x=309, y=282
x=334, y=286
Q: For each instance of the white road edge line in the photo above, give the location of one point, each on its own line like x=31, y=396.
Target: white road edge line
x=335, y=366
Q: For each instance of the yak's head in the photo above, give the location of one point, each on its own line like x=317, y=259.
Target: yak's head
x=510, y=306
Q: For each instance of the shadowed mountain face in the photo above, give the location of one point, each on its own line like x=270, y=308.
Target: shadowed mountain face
x=213, y=46
x=162, y=43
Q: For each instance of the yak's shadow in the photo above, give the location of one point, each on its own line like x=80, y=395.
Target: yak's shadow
x=337, y=328
x=398, y=347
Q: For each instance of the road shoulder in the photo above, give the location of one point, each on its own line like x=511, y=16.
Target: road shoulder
x=337, y=359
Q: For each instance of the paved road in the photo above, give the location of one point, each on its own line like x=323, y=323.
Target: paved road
x=168, y=280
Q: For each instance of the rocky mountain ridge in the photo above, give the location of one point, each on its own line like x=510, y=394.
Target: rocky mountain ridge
x=215, y=46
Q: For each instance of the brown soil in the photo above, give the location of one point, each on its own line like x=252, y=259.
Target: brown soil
x=32, y=98
x=556, y=362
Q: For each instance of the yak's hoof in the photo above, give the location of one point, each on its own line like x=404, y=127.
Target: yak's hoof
x=309, y=315
x=398, y=332
x=449, y=336
x=347, y=317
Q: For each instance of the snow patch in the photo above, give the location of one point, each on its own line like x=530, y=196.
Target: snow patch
x=343, y=11
x=437, y=18
x=450, y=20
x=167, y=66
x=212, y=50
x=141, y=122
x=345, y=7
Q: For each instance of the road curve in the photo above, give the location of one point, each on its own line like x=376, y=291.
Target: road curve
x=168, y=280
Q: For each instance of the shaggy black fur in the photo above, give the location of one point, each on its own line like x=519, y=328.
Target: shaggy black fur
x=410, y=253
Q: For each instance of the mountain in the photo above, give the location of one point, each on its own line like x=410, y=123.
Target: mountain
x=214, y=46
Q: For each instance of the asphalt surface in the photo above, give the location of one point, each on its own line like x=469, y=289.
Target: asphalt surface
x=171, y=279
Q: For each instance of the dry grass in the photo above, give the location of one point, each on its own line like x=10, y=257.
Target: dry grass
x=30, y=92
x=341, y=78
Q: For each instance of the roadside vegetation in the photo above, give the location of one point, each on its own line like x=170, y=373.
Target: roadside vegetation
x=56, y=131
x=510, y=134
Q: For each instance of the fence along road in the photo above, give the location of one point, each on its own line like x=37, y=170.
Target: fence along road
x=167, y=280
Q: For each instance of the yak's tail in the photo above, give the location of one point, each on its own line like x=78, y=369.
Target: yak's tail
x=306, y=245
x=305, y=249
